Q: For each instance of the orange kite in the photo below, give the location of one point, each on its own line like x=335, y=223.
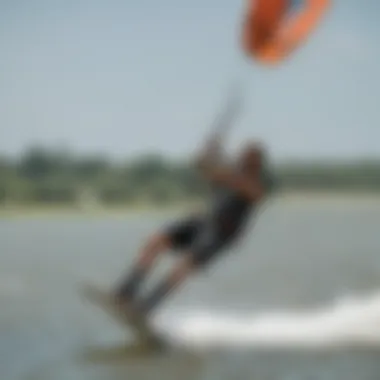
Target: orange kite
x=271, y=32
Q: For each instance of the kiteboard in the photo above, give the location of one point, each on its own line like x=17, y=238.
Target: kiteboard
x=124, y=315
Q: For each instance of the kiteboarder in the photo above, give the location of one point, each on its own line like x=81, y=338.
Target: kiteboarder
x=238, y=190
x=268, y=36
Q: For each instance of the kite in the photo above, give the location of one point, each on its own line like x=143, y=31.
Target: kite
x=273, y=29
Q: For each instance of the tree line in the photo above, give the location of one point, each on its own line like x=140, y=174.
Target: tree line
x=53, y=176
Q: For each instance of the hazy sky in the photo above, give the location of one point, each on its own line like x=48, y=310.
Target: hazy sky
x=128, y=76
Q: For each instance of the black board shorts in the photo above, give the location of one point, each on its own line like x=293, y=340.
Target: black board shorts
x=201, y=237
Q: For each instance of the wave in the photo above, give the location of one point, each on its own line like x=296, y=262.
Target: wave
x=349, y=321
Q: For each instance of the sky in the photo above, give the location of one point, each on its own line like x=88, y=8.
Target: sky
x=135, y=76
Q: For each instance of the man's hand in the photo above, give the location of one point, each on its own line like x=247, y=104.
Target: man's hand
x=213, y=146
x=210, y=155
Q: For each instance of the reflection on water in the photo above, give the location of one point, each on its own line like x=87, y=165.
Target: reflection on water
x=117, y=362
x=134, y=352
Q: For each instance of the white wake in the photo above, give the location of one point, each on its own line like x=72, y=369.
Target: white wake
x=347, y=322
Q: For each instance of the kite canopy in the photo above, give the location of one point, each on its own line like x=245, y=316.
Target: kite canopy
x=272, y=29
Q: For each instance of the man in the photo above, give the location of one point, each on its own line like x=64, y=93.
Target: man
x=202, y=238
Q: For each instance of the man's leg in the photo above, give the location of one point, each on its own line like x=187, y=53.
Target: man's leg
x=206, y=246
x=129, y=287
x=177, y=236
x=176, y=277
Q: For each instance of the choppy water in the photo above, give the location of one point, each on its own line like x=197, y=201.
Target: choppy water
x=299, y=299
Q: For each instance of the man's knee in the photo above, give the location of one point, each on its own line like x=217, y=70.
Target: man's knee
x=154, y=246
x=159, y=242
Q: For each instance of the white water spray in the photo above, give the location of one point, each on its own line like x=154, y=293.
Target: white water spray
x=345, y=323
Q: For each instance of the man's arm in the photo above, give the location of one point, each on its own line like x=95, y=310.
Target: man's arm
x=250, y=189
x=213, y=152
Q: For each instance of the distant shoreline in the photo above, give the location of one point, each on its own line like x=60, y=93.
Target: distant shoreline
x=316, y=196
x=27, y=211
x=32, y=211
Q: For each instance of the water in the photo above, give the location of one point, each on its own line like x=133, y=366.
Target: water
x=298, y=299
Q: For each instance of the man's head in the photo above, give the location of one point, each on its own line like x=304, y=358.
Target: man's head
x=252, y=157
